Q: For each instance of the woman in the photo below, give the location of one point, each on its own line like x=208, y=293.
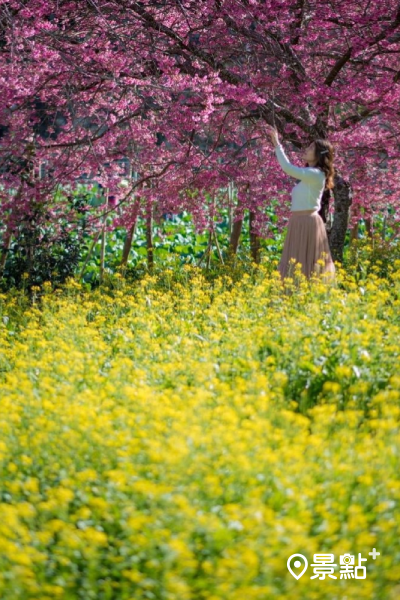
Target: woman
x=306, y=241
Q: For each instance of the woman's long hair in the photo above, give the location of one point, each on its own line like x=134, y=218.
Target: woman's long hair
x=324, y=154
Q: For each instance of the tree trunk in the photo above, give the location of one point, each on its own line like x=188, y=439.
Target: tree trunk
x=5, y=249
x=149, y=235
x=236, y=229
x=103, y=241
x=8, y=236
x=254, y=239
x=102, y=252
x=129, y=236
x=209, y=249
x=343, y=198
x=230, y=207
x=235, y=237
x=235, y=225
x=128, y=244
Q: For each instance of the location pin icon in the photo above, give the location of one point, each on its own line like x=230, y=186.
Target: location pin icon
x=297, y=564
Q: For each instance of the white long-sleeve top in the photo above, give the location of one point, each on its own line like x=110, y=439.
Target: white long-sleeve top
x=307, y=194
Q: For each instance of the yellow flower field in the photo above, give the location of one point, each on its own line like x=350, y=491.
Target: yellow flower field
x=182, y=444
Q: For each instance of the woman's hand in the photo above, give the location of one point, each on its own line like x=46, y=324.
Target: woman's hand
x=273, y=133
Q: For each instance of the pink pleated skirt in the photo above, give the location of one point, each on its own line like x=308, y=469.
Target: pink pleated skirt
x=306, y=242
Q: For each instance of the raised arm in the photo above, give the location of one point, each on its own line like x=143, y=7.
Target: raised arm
x=308, y=174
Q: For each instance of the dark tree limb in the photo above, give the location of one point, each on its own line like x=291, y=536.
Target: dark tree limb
x=337, y=235
x=149, y=236
x=255, y=239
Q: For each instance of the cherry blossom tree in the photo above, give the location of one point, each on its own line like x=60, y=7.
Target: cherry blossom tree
x=178, y=92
